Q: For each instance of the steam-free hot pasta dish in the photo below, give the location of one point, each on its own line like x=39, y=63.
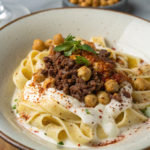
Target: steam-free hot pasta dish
x=82, y=92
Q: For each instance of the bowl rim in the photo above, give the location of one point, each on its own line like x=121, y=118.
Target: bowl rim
x=4, y=136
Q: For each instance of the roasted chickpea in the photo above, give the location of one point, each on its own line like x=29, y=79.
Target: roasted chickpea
x=80, y=1
x=74, y=1
x=141, y=84
x=111, y=86
x=38, y=78
x=103, y=3
x=110, y=2
x=116, y=1
x=38, y=71
x=49, y=83
x=83, y=4
x=48, y=43
x=84, y=73
x=90, y=100
x=95, y=3
x=103, y=97
x=89, y=2
x=90, y=44
x=38, y=45
x=58, y=39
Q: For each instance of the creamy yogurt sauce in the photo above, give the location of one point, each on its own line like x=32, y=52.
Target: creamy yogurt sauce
x=103, y=115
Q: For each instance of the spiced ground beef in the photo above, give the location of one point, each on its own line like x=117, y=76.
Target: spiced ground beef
x=126, y=94
x=64, y=70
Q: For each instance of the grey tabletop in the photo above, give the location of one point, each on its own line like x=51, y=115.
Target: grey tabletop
x=140, y=8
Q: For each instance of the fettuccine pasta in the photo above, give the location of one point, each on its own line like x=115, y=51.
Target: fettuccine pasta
x=80, y=90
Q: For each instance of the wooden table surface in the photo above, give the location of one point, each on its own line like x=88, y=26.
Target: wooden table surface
x=6, y=146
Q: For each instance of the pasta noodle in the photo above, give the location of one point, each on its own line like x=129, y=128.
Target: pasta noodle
x=62, y=116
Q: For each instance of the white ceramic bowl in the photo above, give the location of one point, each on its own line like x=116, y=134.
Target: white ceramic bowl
x=16, y=41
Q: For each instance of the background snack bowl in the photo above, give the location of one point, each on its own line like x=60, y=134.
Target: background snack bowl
x=119, y=6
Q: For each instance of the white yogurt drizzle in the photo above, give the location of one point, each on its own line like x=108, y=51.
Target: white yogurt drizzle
x=103, y=115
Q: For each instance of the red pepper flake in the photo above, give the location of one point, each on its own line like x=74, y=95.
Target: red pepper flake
x=36, y=131
x=92, y=122
x=79, y=145
x=100, y=117
x=141, y=61
x=113, y=48
x=100, y=110
x=74, y=111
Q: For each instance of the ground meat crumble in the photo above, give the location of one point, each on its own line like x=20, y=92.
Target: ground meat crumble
x=64, y=70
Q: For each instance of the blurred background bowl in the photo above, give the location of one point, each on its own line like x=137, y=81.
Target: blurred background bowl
x=119, y=6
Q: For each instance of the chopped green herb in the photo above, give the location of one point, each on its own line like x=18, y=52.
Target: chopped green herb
x=68, y=53
x=17, y=111
x=45, y=133
x=60, y=143
x=69, y=46
x=146, y=112
x=14, y=107
x=82, y=60
x=15, y=100
x=87, y=111
x=86, y=48
x=70, y=37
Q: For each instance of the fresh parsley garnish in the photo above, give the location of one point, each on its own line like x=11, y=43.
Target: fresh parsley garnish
x=69, y=38
x=87, y=111
x=69, y=46
x=15, y=100
x=45, y=133
x=17, y=111
x=60, y=143
x=14, y=107
x=82, y=60
x=86, y=47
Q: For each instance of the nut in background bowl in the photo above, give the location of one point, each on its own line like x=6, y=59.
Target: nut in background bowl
x=119, y=6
